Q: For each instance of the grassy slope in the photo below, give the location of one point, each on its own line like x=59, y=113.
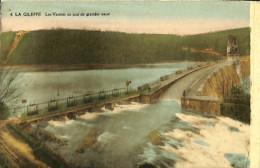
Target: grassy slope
x=5, y=162
x=6, y=40
x=40, y=150
x=79, y=46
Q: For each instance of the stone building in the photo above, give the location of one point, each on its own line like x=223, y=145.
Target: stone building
x=233, y=53
x=232, y=46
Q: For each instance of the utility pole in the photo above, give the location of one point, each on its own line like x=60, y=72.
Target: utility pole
x=58, y=92
x=127, y=83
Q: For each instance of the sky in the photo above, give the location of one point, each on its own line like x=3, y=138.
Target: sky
x=160, y=17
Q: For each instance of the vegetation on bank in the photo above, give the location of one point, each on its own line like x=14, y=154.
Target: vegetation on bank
x=97, y=47
x=237, y=105
x=5, y=162
x=146, y=165
x=40, y=150
x=9, y=91
x=4, y=111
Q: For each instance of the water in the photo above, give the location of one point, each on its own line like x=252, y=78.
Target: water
x=233, y=129
x=238, y=160
x=201, y=143
x=210, y=124
x=122, y=137
x=42, y=86
x=127, y=131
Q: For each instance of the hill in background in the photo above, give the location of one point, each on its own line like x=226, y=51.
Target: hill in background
x=6, y=41
x=96, y=47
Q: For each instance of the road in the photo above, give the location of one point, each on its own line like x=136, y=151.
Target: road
x=192, y=81
x=15, y=43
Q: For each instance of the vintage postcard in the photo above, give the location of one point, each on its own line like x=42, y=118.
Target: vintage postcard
x=128, y=84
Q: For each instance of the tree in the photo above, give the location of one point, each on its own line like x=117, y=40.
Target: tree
x=236, y=105
x=9, y=91
x=146, y=165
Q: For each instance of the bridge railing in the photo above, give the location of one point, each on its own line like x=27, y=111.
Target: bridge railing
x=72, y=102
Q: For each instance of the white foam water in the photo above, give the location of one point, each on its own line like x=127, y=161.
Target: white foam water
x=60, y=123
x=188, y=139
x=133, y=106
x=219, y=139
x=90, y=116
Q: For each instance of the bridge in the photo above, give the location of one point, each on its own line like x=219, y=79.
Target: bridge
x=182, y=83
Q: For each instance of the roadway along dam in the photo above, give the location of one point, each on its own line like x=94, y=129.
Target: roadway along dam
x=192, y=81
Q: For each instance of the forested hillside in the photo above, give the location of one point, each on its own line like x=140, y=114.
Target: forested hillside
x=85, y=46
x=6, y=41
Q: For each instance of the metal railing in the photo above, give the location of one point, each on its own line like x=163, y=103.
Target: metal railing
x=72, y=102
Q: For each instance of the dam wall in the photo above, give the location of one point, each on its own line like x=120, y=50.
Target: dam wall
x=219, y=84
x=245, y=66
x=213, y=91
x=203, y=105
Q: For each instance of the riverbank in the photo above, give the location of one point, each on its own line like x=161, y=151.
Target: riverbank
x=81, y=67
x=19, y=153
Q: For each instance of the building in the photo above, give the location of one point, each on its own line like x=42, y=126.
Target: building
x=185, y=48
x=232, y=46
x=233, y=53
x=209, y=49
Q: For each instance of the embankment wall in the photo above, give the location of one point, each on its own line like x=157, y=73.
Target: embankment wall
x=217, y=86
x=245, y=66
x=201, y=105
